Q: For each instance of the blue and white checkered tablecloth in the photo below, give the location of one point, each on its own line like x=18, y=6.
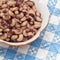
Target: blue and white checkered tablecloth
x=46, y=47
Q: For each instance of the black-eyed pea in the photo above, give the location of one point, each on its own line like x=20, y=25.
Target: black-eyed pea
x=23, y=19
x=17, y=31
x=37, y=24
x=0, y=20
x=6, y=17
x=0, y=4
x=38, y=19
x=7, y=30
x=1, y=14
x=34, y=8
x=1, y=30
x=11, y=3
x=30, y=34
x=30, y=19
x=31, y=11
x=26, y=0
x=7, y=39
x=38, y=14
x=14, y=37
x=25, y=7
x=4, y=5
x=25, y=33
x=30, y=3
x=20, y=38
x=28, y=25
x=1, y=33
x=21, y=15
x=18, y=16
x=32, y=23
x=16, y=12
x=34, y=31
x=5, y=10
x=13, y=22
x=24, y=23
x=4, y=36
x=21, y=8
x=17, y=25
x=14, y=9
x=11, y=13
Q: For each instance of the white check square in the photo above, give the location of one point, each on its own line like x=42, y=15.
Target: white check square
x=54, y=20
x=42, y=53
x=58, y=4
x=1, y=58
x=48, y=36
x=58, y=57
x=23, y=49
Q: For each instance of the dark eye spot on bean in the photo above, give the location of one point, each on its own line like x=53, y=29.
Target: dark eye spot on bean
x=28, y=19
x=29, y=37
x=24, y=13
x=12, y=40
x=21, y=1
x=32, y=15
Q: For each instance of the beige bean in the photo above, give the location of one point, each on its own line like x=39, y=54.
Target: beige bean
x=26, y=0
x=6, y=17
x=4, y=36
x=21, y=8
x=17, y=25
x=30, y=34
x=25, y=7
x=13, y=22
x=7, y=30
x=3, y=1
x=25, y=33
x=16, y=12
x=24, y=23
x=14, y=37
x=7, y=39
x=4, y=5
x=38, y=14
x=34, y=8
x=1, y=14
x=31, y=11
x=11, y=13
x=28, y=25
x=38, y=19
x=0, y=20
x=23, y=19
x=14, y=9
x=37, y=24
x=21, y=15
x=20, y=38
x=0, y=3
x=1, y=33
x=17, y=31
x=11, y=3
x=30, y=3
x=1, y=30
x=35, y=31
x=23, y=28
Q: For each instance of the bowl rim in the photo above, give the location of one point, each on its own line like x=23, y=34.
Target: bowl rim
x=30, y=40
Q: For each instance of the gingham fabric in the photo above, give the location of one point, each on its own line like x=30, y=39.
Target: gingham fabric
x=46, y=47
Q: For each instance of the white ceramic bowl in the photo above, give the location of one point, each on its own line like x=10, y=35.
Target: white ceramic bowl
x=42, y=7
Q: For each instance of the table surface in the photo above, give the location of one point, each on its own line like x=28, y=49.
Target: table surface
x=46, y=47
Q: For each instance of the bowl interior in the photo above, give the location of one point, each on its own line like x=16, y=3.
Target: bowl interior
x=42, y=8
